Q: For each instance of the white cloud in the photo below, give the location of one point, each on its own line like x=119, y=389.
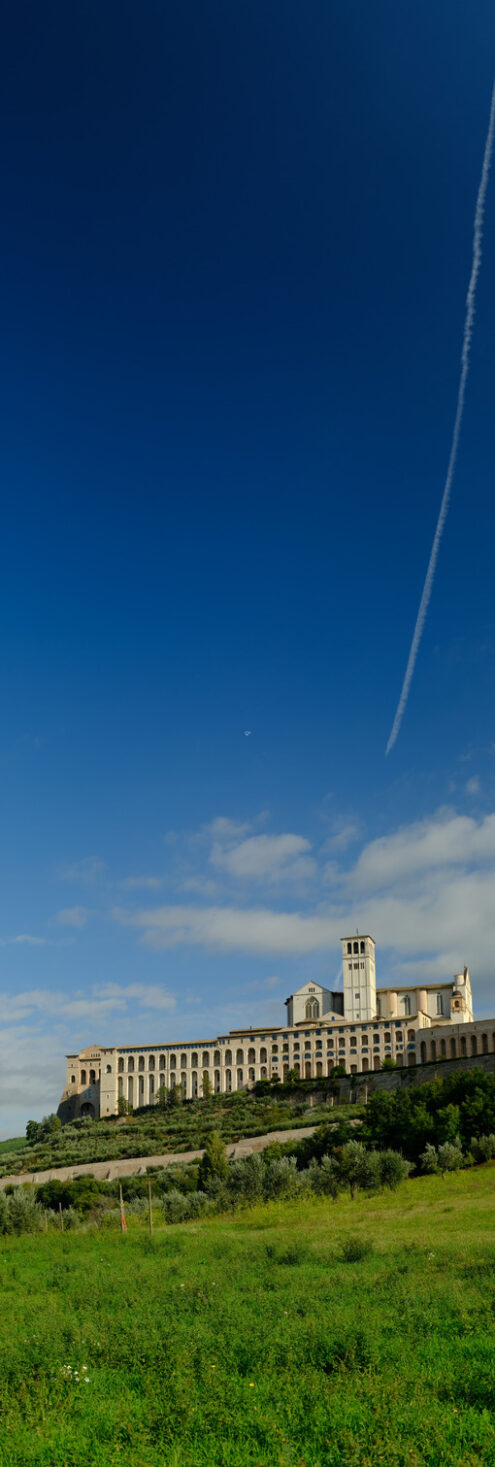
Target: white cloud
x=73, y=916
x=272, y=858
x=473, y=785
x=444, y=840
x=229, y=929
x=28, y=940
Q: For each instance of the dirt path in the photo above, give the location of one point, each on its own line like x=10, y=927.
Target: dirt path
x=132, y=1166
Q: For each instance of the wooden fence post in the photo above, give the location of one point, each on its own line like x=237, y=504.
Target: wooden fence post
x=61, y=1216
x=123, y=1224
x=150, y=1209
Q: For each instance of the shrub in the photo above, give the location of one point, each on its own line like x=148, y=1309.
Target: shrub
x=429, y=1159
x=450, y=1156
x=393, y=1168
x=483, y=1147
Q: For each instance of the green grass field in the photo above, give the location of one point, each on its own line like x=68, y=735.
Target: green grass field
x=250, y=1341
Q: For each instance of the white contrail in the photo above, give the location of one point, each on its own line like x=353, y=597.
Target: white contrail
x=466, y=345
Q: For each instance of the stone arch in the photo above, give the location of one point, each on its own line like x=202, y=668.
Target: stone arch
x=183, y=1081
x=173, y=1061
x=194, y=1060
x=130, y=1065
x=474, y=1044
x=411, y=1058
x=453, y=1049
x=251, y=1073
x=216, y=1057
x=194, y=1084
x=443, y=1049
x=251, y=1056
x=92, y=1077
x=228, y=1056
x=130, y=1089
x=151, y=1062
x=217, y=1082
x=463, y=1044
x=183, y=1061
x=411, y=1036
x=433, y=1049
x=263, y=1072
x=263, y=1056
x=239, y=1059
x=141, y=1062
x=120, y=1085
x=484, y=1043
x=162, y=1061
x=240, y=1078
x=205, y=1060
x=423, y=1052
x=83, y=1077
x=87, y=1109
x=307, y=1069
x=319, y=1067
x=228, y=1081
x=365, y=1064
x=121, y=1066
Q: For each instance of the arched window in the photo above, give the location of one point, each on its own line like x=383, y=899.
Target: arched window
x=130, y=1089
x=439, y=1003
x=263, y=1056
x=130, y=1065
x=387, y=1038
x=308, y=1069
x=240, y=1077
x=443, y=1048
x=194, y=1083
x=463, y=1043
x=251, y=1057
x=319, y=1068
x=151, y=1062
x=228, y=1080
x=109, y=1069
x=72, y=1079
x=453, y=1050
x=217, y=1082
x=356, y=947
x=275, y=1049
x=152, y=1086
x=433, y=1050
x=183, y=1081
x=423, y=1052
x=297, y=1067
x=263, y=1072
x=194, y=1061
x=361, y=947
x=216, y=1057
x=83, y=1077
x=121, y=1085
x=206, y=1059
x=378, y=1008
x=312, y=1008
x=141, y=1088
x=92, y=1077
x=240, y=1057
x=228, y=1056
x=173, y=1061
x=141, y=1062
x=474, y=1044
x=162, y=1061
x=410, y=1036
x=121, y=1066
x=349, y=947
x=484, y=1043
x=406, y=1005
x=183, y=1061
x=251, y=1074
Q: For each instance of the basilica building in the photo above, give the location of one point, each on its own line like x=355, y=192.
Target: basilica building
x=356, y=1027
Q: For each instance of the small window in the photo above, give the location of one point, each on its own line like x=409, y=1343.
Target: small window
x=121, y=1066
x=356, y=947
x=361, y=947
x=439, y=1003
x=378, y=1008
x=72, y=1079
x=109, y=1069
x=141, y=1062
x=173, y=1062
x=206, y=1059
x=83, y=1077
x=349, y=947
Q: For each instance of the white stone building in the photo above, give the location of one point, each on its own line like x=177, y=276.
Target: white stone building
x=356, y=1027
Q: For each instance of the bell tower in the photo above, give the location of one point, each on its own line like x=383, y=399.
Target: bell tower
x=358, y=963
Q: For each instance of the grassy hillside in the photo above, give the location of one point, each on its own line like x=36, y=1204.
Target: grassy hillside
x=252, y=1343
x=153, y=1132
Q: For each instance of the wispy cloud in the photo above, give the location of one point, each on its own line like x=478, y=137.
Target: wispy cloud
x=73, y=916
x=141, y=883
x=89, y=870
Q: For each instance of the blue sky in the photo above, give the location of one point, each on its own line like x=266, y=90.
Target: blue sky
x=236, y=244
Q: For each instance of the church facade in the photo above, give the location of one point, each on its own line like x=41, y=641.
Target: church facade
x=357, y=1027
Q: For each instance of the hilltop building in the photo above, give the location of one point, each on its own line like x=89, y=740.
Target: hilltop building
x=357, y=1027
